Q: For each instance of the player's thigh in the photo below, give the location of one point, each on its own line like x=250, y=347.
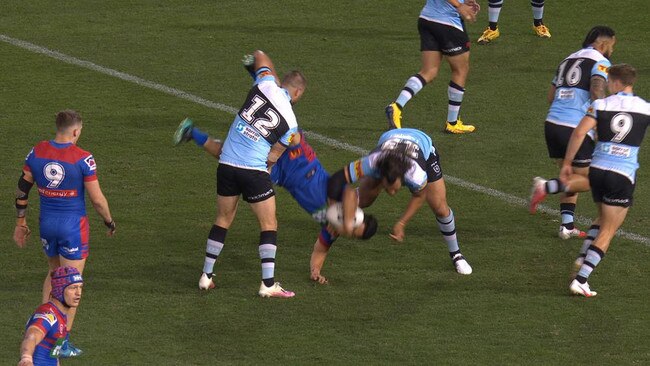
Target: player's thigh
x=79, y=264
x=74, y=234
x=265, y=213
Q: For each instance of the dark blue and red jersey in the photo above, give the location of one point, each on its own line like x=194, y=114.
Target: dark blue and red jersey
x=299, y=172
x=52, y=322
x=59, y=171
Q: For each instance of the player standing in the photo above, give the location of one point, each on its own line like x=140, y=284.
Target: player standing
x=63, y=173
x=620, y=121
x=494, y=9
x=46, y=334
x=259, y=134
x=407, y=157
x=442, y=33
x=580, y=78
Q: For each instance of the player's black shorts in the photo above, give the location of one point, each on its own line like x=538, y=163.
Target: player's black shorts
x=610, y=188
x=253, y=185
x=434, y=170
x=557, y=140
x=443, y=38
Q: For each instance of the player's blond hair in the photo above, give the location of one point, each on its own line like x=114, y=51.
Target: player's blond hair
x=295, y=79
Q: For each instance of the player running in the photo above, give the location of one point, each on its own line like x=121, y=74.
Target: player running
x=300, y=172
x=63, y=173
x=620, y=121
x=402, y=157
x=494, y=9
x=442, y=34
x=46, y=334
x=259, y=134
x=581, y=77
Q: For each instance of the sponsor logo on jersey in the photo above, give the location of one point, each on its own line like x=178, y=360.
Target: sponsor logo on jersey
x=247, y=131
x=48, y=317
x=90, y=161
x=616, y=150
x=565, y=94
x=59, y=193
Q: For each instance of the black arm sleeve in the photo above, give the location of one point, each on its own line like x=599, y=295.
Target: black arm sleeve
x=336, y=185
x=23, y=188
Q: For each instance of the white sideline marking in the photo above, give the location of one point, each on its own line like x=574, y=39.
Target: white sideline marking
x=318, y=137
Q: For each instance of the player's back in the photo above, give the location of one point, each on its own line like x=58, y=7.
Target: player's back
x=49, y=319
x=300, y=172
x=265, y=118
x=59, y=171
x=622, y=120
x=405, y=135
x=572, y=82
x=440, y=11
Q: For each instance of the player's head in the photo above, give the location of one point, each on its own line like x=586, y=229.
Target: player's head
x=68, y=122
x=392, y=166
x=295, y=83
x=369, y=227
x=66, y=285
x=602, y=38
x=620, y=76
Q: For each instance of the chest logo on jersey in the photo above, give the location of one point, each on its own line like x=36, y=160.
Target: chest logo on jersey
x=48, y=317
x=90, y=161
x=247, y=131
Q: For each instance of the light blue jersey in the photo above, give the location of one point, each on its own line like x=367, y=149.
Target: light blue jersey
x=572, y=82
x=416, y=144
x=441, y=11
x=622, y=120
x=265, y=118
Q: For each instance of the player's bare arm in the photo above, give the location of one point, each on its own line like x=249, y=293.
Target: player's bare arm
x=100, y=204
x=263, y=60
x=21, y=231
x=597, y=86
x=276, y=151
x=33, y=336
x=416, y=201
x=551, y=94
x=318, y=256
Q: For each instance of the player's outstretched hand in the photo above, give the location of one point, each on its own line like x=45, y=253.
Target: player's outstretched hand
x=318, y=278
x=249, y=64
x=26, y=361
x=21, y=234
x=111, y=227
x=398, y=232
x=468, y=11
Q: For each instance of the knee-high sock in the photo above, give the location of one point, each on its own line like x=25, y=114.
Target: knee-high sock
x=494, y=9
x=538, y=11
x=267, y=251
x=594, y=256
x=447, y=226
x=413, y=85
x=455, y=93
x=216, y=238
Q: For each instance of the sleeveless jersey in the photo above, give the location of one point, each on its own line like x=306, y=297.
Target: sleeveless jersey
x=52, y=322
x=572, y=81
x=441, y=11
x=622, y=120
x=59, y=171
x=300, y=172
x=416, y=145
x=265, y=118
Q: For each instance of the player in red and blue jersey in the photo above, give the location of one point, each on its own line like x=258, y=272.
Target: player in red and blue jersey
x=299, y=171
x=46, y=333
x=63, y=173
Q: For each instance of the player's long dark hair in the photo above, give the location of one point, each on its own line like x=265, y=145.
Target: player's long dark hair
x=597, y=32
x=393, y=164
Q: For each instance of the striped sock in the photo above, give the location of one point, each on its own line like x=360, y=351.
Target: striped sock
x=413, y=85
x=455, y=93
x=591, y=236
x=594, y=256
x=447, y=227
x=554, y=186
x=538, y=11
x=216, y=238
x=267, y=251
x=494, y=9
x=567, y=210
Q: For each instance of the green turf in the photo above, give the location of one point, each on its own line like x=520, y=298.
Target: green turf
x=386, y=303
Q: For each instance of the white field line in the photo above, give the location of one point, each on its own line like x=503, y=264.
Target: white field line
x=514, y=200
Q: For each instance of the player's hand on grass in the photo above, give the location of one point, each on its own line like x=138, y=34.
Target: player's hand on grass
x=21, y=234
x=398, y=232
x=111, y=227
x=318, y=278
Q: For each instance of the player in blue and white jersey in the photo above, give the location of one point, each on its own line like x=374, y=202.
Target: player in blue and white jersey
x=580, y=79
x=406, y=157
x=494, y=9
x=63, y=173
x=46, y=333
x=261, y=131
x=620, y=122
x=299, y=171
x=442, y=34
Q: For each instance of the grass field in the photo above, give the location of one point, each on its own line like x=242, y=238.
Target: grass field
x=386, y=303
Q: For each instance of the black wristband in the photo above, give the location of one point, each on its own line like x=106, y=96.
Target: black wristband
x=110, y=225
